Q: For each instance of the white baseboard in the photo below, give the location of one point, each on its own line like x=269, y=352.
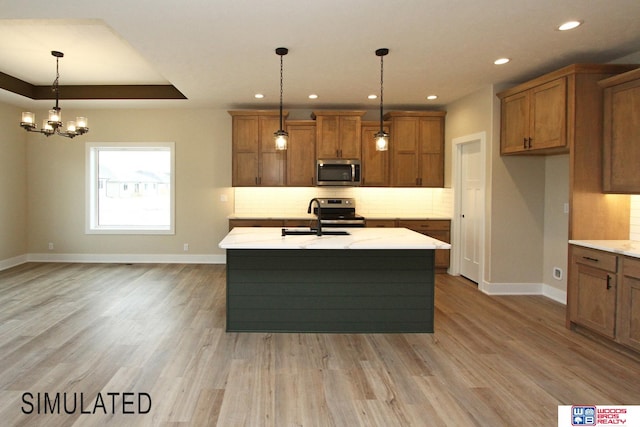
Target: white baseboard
x=543, y=289
x=555, y=294
x=12, y=262
x=115, y=258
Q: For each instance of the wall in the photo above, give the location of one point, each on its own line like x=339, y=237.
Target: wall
x=13, y=188
x=514, y=197
x=56, y=181
x=556, y=221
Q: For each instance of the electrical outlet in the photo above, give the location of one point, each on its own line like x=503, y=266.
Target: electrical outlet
x=50, y=246
x=186, y=247
x=557, y=273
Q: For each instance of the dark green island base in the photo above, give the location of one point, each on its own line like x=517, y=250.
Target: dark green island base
x=330, y=290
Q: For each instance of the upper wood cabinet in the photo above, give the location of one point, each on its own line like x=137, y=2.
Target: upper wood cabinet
x=301, y=153
x=621, y=133
x=255, y=161
x=375, y=164
x=535, y=120
x=338, y=134
x=417, y=148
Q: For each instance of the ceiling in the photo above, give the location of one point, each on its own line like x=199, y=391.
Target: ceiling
x=219, y=53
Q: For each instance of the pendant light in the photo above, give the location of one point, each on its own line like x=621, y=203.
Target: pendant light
x=381, y=137
x=281, y=136
x=54, y=123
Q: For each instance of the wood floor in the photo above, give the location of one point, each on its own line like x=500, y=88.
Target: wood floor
x=159, y=330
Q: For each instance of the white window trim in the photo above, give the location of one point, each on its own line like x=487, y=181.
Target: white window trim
x=91, y=227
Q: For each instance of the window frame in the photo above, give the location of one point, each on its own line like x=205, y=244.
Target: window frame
x=92, y=186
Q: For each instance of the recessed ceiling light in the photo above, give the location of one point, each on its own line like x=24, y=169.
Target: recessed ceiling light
x=258, y=96
x=432, y=97
x=570, y=25
x=501, y=61
x=372, y=96
x=313, y=96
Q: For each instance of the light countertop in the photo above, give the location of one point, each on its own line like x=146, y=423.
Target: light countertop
x=359, y=238
x=622, y=247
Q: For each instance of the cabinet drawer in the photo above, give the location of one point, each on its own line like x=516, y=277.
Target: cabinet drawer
x=599, y=259
x=381, y=223
x=631, y=267
x=425, y=225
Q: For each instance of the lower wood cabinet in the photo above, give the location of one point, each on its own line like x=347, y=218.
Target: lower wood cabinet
x=593, y=290
x=437, y=228
x=255, y=223
x=629, y=304
x=604, y=294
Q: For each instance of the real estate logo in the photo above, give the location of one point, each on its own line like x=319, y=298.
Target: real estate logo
x=583, y=415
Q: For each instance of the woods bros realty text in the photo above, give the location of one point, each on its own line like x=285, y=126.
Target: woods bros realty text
x=79, y=403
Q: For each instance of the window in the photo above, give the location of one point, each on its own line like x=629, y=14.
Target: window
x=130, y=188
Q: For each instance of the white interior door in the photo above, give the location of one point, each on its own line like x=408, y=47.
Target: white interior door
x=470, y=209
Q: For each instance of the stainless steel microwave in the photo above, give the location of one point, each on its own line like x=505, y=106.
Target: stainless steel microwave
x=338, y=172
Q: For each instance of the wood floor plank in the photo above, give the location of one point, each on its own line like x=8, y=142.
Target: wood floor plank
x=160, y=329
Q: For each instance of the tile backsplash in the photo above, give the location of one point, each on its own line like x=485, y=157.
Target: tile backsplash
x=370, y=202
x=634, y=233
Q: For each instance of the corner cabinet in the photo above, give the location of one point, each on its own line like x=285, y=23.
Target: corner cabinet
x=417, y=148
x=338, y=134
x=621, y=133
x=547, y=115
x=255, y=161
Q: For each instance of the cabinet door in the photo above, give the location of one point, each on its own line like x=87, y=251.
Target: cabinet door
x=245, y=150
x=622, y=138
x=301, y=155
x=272, y=161
x=548, y=115
x=431, y=131
x=327, y=137
x=514, y=128
x=404, y=149
x=595, y=299
x=375, y=164
x=629, y=304
x=350, y=137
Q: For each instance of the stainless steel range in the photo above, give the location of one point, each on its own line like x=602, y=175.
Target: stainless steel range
x=338, y=212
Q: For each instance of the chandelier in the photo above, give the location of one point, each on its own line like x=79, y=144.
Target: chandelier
x=54, y=123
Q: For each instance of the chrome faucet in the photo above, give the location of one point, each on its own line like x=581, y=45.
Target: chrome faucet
x=319, y=231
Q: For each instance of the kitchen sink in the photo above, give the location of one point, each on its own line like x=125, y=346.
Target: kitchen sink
x=286, y=232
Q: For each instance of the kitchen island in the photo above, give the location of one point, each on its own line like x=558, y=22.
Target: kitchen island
x=371, y=280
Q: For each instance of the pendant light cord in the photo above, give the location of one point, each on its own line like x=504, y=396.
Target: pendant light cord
x=281, y=70
x=381, y=90
x=56, y=85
